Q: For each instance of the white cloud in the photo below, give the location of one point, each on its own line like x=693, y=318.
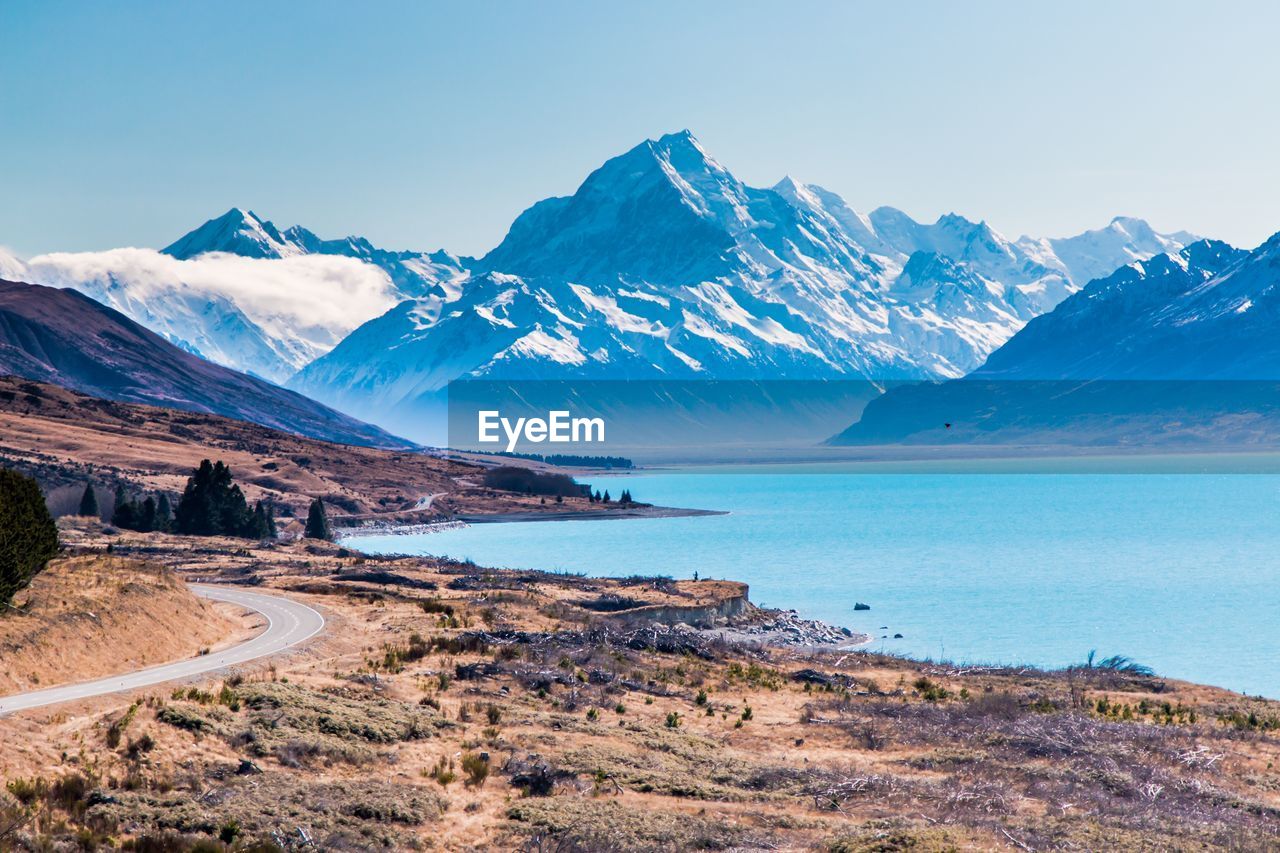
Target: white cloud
x=303, y=305
x=310, y=291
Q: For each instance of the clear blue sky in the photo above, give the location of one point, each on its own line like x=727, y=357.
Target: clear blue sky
x=425, y=125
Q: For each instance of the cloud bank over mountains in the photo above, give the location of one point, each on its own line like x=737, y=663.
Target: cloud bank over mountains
x=268, y=317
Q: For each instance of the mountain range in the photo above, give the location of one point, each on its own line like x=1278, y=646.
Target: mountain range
x=1180, y=347
x=61, y=336
x=661, y=265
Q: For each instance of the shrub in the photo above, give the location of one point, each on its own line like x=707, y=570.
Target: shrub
x=143, y=744
x=28, y=791
x=442, y=772
x=229, y=831
x=476, y=767
x=510, y=478
x=930, y=691
x=70, y=790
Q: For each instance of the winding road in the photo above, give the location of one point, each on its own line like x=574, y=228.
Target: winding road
x=289, y=623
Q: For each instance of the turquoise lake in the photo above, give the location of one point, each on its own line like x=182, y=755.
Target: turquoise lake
x=1177, y=571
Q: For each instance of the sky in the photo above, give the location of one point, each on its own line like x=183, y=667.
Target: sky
x=432, y=125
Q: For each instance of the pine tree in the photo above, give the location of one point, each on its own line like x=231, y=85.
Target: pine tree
x=606, y=495
x=271, y=522
x=28, y=536
x=197, y=512
x=317, y=522
x=256, y=527
x=164, y=514
x=146, y=515
x=89, y=502
x=125, y=512
x=211, y=504
x=236, y=515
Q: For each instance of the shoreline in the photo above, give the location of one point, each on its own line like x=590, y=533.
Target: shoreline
x=781, y=628
x=461, y=520
x=589, y=515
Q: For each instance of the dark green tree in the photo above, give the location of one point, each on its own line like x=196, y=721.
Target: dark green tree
x=211, y=504
x=258, y=527
x=198, y=508
x=89, y=502
x=606, y=495
x=146, y=515
x=164, y=514
x=236, y=514
x=28, y=536
x=125, y=512
x=318, y=521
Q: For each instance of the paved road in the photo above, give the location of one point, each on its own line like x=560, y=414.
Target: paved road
x=288, y=624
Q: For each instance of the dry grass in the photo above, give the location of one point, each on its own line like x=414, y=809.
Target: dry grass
x=95, y=615
x=534, y=724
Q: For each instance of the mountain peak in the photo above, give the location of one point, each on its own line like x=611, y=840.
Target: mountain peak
x=954, y=219
x=677, y=138
x=1133, y=226
x=788, y=184
x=682, y=152
x=238, y=231
x=664, y=192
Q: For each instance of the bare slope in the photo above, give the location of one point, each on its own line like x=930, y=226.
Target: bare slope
x=61, y=336
x=90, y=616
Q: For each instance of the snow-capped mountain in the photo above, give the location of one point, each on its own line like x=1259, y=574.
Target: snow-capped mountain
x=1098, y=253
x=244, y=233
x=661, y=265
x=238, y=232
x=1205, y=312
x=1178, y=347
x=241, y=292
x=664, y=265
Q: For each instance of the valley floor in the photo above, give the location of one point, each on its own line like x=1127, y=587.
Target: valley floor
x=453, y=707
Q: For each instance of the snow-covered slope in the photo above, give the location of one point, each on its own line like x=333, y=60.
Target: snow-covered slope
x=1208, y=312
x=664, y=265
x=1098, y=253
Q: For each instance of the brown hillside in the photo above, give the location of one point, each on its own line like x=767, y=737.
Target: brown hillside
x=55, y=335
x=64, y=438
x=89, y=616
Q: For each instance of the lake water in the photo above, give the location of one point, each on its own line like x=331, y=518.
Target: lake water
x=1177, y=571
